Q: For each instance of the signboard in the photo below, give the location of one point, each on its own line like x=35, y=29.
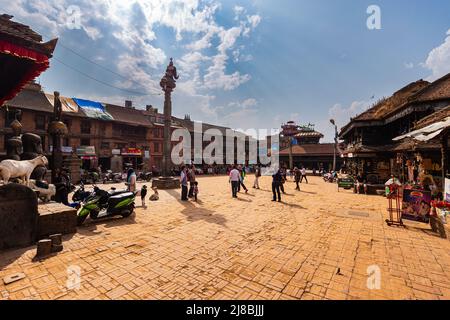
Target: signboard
x=147, y=154
x=86, y=151
x=132, y=152
x=63, y=149
x=116, y=152
x=447, y=190
x=416, y=205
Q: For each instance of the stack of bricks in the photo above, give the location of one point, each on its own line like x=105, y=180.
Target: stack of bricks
x=56, y=218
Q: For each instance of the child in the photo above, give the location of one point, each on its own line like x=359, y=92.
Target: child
x=155, y=196
x=195, y=190
x=143, y=195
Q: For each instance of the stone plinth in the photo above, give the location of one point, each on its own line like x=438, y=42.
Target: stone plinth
x=73, y=163
x=18, y=216
x=166, y=183
x=56, y=218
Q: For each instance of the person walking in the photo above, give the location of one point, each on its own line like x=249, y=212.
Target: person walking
x=283, y=179
x=192, y=180
x=131, y=180
x=277, y=179
x=184, y=184
x=235, y=180
x=257, y=176
x=242, y=175
x=297, y=177
x=303, y=171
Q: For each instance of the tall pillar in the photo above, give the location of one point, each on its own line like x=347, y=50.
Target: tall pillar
x=168, y=84
x=167, y=136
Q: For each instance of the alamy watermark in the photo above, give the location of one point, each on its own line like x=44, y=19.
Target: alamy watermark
x=225, y=147
x=73, y=17
x=374, y=277
x=374, y=19
x=73, y=278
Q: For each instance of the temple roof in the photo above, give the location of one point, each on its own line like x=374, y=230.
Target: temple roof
x=309, y=134
x=324, y=149
x=22, y=34
x=388, y=105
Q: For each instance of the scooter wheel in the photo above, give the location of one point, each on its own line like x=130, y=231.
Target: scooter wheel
x=81, y=220
x=126, y=214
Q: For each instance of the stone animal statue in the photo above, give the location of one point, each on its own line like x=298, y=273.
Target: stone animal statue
x=155, y=196
x=32, y=148
x=45, y=192
x=20, y=169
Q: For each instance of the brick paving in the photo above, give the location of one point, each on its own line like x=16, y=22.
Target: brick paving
x=308, y=247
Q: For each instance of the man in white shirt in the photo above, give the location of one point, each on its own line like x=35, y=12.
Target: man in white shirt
x=303, y=171
x=184, y=184
x=235, y=180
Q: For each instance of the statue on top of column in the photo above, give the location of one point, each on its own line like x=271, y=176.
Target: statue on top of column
x=168, y=82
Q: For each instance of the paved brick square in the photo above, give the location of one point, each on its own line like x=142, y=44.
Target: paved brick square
x=308, y=247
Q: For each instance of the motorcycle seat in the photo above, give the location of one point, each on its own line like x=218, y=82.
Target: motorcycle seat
x=117, y=192
x=42, y=184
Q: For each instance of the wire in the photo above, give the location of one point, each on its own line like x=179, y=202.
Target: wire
x=99, y=65
x=102, y=82
x=103, y=67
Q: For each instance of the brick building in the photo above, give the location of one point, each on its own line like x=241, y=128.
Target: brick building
x=122, y=136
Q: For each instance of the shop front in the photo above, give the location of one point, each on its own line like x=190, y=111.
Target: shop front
x=132, y=157
x=89, y=159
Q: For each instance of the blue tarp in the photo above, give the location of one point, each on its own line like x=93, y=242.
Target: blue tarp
x=93, y=109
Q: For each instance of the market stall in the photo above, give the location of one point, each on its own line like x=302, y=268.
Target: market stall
x=425, y=197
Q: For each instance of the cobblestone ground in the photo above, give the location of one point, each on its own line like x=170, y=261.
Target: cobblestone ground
x=317, y=244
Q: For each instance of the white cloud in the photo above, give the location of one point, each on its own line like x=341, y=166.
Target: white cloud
x=127, y=32
x=238, y=10
x=408, y=65
x=342, y=114
x=438, y=60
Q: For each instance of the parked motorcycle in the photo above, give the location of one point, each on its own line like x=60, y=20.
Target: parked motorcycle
x=145, y=176
x=101, y=204
x=330, y=177
x=80, y=194
x=109, y=176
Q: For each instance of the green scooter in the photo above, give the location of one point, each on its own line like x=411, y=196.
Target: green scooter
x=102, y=204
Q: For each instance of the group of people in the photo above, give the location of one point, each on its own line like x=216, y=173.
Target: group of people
x=238, y=173
x=189, y=184
x=237, y=177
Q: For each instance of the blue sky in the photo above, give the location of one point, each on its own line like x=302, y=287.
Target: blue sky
x=244, y=64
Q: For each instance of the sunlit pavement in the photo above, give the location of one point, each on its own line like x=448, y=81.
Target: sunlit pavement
x=318, y=244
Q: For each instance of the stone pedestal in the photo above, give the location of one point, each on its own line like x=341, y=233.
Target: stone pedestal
x=166, y=183
x=73, y=163
x=18, y=216
x=56, y=218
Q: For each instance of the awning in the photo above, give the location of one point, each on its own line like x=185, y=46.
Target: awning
x=93, y=109
x=428, y=133
x=68, y=105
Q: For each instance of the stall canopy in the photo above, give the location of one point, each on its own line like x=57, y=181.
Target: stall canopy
x=93, y=109
x=23, y=56
x=427, y=133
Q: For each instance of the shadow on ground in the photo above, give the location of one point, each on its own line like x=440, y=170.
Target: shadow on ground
x=194, y=213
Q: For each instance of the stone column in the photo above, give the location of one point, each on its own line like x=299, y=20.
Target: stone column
x=166, y=172
x=168, y=84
